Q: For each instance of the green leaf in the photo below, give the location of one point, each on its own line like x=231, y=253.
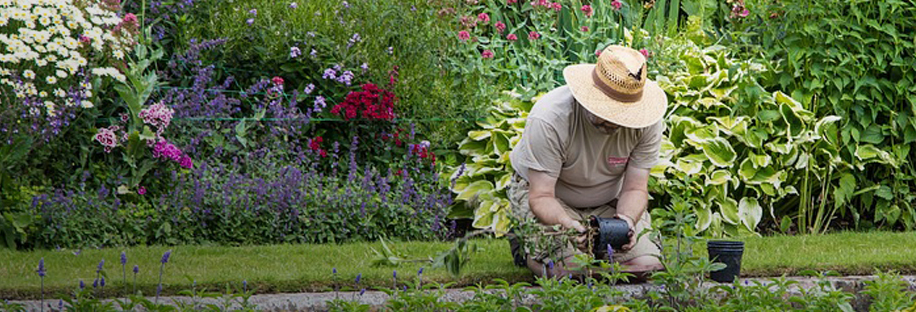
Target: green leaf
x=747, y=170
x=794, y=122
x=750, y=213
x=872, y=134
x=704, y=218
x=885, y=192
x=719, y=152
x=479, y=135
x=474, y=189
x=718, y=177
x=729, y=209
x=870, y=152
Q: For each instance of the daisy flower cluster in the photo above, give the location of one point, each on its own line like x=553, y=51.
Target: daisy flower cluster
x=46, y=44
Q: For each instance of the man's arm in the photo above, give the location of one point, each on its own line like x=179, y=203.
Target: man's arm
x=544, y=204
x=633, y=199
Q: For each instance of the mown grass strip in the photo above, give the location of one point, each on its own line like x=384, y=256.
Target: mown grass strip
x=298, y=268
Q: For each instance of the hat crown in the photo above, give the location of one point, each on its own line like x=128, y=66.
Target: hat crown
x=622, y=69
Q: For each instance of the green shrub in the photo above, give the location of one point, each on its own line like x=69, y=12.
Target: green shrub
x=399, y=40
x=852, y=59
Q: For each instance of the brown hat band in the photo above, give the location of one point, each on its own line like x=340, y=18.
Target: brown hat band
x=614, y=94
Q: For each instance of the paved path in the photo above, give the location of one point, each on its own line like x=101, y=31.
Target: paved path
x=317, y=301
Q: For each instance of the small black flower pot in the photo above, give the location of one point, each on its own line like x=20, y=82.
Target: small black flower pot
x=611, y=231
x=728, y=253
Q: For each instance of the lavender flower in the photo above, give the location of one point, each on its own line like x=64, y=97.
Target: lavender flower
x=358, y=277
x=309, y=88
x=41, y=267
x=390, y=50
x=362, y=291
x=165, y=256
x=136, y=269
x=610, y=252
x=253, y=12
x=244, y=285
x=329, y=74
x=249, y=21
x=313, y=53
x=334, y=270
x=293, y=5
x=365, y=67
x=294, y=52
x=395, y=274
x=101, y=264
x=123, y=258
x=550, y=264
x=60, y=305
x=95, y=283
x=346, y=5
x=346, y=78
x=102, y=282
x=354, y=40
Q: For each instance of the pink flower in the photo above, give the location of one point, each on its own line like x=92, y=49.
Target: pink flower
x=141, y=191
x=511, y=37
x=542, y=3
x=598, y=52
x=587, y=9
x=130, y=18
x=616, y=4
x=464, y=35
x=487, y=54
x=740, y=11
x=484, y=17
x=556, y=6
x=533, y=35
x=107, y=137
x=644, y=53
x=186, y=162
x=584, y=28
x=500, y=27
x=277, y=80
x=157, y=115
x=511, y=1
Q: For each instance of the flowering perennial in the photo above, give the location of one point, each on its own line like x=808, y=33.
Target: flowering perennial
x=45, y=44
x=371, y=103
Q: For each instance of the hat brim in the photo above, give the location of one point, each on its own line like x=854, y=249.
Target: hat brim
x=640, y=114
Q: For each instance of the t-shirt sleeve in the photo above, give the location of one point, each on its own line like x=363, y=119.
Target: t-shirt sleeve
x=542, y=150
x=645, y=154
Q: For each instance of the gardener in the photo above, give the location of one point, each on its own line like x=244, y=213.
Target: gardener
x=586, y=151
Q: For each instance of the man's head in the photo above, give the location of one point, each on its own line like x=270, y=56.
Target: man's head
x=616, y=91
x=602, y=125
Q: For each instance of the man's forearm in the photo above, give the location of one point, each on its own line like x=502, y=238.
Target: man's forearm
x=633, y=203
x=548, y=211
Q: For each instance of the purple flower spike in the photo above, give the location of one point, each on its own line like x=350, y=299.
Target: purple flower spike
x=395, y=274
x=334, y=270
x=136, y=269
x=610, y=252
x=123, y=258
x=82, y=284
x=41, y=267
x=60, y=305
x=550, y=264
x=101, y=264
x=95, y=283
x=102, y=282
x=244, y=285
x=358, y=277
x=165, y=256
x=362, y=291
x=420, y=272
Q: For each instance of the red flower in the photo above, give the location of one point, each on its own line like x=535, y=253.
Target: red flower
x=584, y=28
x=315, y=144
x=371, y=103
x=511, y=1
x=533, y=35
x=323, y=153
x=277, y=80
x=141, y=191
x=487, y=54
x=511, y=37
x=587, y=9
x=464, y=35
x=556, y=6
x=644, y=53
x=484, y=17
x=616, y=4
x=500, y=27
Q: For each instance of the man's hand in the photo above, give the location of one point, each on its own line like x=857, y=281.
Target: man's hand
x=631, y=234
x=580, y=240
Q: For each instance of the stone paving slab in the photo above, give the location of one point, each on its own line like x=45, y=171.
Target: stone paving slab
x=317, y=301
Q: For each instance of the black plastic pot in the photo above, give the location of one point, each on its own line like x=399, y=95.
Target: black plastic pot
x=611, y=231
x=728, y=253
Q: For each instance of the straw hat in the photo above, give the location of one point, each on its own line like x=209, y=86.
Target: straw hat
x=617, y=89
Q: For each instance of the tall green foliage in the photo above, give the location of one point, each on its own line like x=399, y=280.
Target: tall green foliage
x=854, y=59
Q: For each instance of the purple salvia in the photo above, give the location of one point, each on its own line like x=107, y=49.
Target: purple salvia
x=41, y=267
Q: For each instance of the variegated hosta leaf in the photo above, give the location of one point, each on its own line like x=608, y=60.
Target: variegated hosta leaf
x=479, y=135
x=688, y=167
x=755, y=137
x=476, y=188
x=731, y=125
x=869, y=153
x=759, y=161
x=502, y=181
x=729, y=209
x=747, y=170
x=704, y=218
x=718, y=177
x=470, y=147
x=826, y=128
x=750, y=212
x=719, y=152
x=659, y=170
x=702, y=135
x=794, y=122
x=500, y=142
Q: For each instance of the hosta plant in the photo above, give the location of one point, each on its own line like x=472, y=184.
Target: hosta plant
x=749, y=151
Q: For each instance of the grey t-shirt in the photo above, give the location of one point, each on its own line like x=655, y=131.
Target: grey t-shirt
x=589, y=165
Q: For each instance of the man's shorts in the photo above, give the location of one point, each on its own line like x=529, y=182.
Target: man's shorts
x=557, y=248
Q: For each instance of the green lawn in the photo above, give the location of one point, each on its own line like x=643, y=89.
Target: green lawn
x=293, y=268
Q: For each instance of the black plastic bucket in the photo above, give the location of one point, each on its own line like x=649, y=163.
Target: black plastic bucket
x=728, y=253
x=611, y=231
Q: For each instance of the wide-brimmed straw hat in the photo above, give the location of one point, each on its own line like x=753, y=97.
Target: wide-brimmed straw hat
x=616, y=89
